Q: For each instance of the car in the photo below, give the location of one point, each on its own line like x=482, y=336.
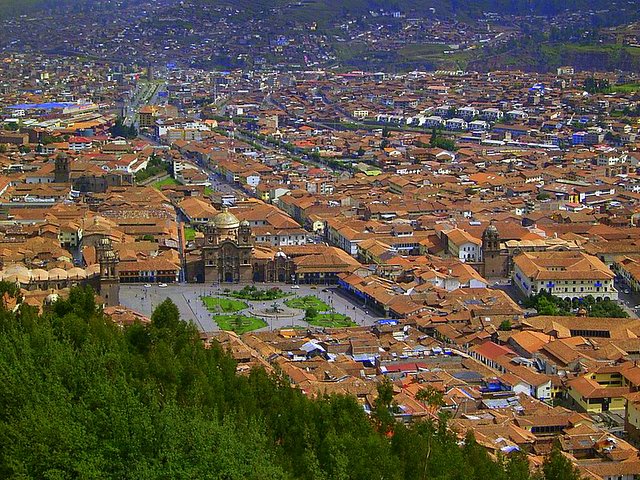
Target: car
x=162, y=285
x=295, y=286
x=314, y=288
x=627, y=291
x=147, y=285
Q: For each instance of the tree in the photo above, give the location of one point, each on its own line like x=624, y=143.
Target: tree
x=505, y=326
x=3, y=148
x=383, y=407
x=311, y=312
x=558, y=467
x=431, y=396
x=516, y=466
x=119, y=129
x=166, y=315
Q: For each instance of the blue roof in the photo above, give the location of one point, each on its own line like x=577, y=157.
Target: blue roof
x=42, y=106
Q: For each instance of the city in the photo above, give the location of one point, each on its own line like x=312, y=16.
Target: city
x=381, y=205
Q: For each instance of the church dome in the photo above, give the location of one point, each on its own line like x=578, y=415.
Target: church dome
x=226, y=220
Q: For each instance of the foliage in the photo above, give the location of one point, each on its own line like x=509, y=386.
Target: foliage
x=310, y=313
x=217, y=304
x=505, y=326
x=547, y=304
x=441, y=142
x=155, y=166
x=329, y=320
x=11, y=289
x=431, y=396
x=250, y=292
x=119, y=129
x=558, y=467
x=189, y=234
x=83, y=398
x=596, y=85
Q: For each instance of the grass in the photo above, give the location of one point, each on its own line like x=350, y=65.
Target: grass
x=422, y=51
x=239, y=323
x=331, y=320
x=166, y=181
x=223, y=305
x=307, y=302
x=626, y=88
x=189, y=234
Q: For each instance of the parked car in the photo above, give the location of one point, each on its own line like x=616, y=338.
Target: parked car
x=295, y=286
x=162, y=285
x=147, y=285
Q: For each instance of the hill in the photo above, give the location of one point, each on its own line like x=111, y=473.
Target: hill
x=313, y=10
x=82, y=398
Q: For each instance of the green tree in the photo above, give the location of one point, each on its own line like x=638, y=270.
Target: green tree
x=166, y=315
x=517, y=466
x=505, y=326
x=558, y=467
x=311, y=312
x=383, y=407
x=431, y=396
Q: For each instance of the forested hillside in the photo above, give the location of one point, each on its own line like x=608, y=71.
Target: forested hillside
x=82, y=398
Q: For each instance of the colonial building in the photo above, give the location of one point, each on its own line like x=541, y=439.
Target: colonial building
x=227, y=249
x=101, y=276
x=569, y=275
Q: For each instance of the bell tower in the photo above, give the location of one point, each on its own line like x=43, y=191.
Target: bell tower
x=494, y=262
x=109, y=280
x=62, y=169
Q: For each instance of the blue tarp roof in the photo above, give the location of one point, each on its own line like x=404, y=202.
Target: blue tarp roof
x=42, y=106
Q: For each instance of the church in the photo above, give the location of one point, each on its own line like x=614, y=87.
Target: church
x=229, y=254
x=227, y=249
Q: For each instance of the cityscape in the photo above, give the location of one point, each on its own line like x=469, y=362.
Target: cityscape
x=320, y=239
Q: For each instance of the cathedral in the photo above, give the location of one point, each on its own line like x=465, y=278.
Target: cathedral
x=227, y=249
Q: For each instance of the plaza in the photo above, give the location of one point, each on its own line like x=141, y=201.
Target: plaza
x=187, y=298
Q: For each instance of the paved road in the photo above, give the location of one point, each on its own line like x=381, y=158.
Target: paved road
x=187, y=299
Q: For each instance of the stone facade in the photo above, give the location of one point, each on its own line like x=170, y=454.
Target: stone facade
x=227, y=250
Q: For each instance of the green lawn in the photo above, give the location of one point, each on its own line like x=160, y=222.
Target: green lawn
x=307, y=302
x=223, y=305
x=166, y=181
x=331, y=320
x=238, y=323
x=626, y=88
x=189, y=234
